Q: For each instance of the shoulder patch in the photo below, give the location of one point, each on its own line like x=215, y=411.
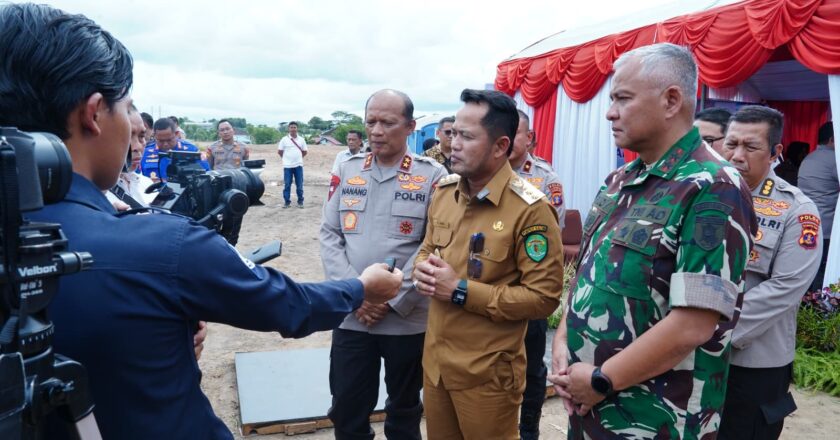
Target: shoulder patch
x=525, y=190
x=448, y=180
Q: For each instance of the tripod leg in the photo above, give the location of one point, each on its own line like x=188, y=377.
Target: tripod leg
x=87, y=429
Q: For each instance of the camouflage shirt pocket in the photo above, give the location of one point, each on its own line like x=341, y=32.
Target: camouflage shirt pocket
x=628, y=265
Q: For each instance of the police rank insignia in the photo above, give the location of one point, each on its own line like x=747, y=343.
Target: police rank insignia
x=709, y=231
x=410, y=186
x=810, y=230
x=767, y=187
x=527, y=167
x=498, y=226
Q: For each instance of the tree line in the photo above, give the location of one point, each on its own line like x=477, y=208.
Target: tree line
x=337, y=127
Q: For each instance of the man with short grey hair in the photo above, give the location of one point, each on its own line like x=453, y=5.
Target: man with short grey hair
x=643, y=345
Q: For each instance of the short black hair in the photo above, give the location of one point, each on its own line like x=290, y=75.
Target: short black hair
x=175, y=120
x=449, y=119
x=408, y=106
x=164, y=124
x=292, y=123
x=501, y=119
x=429, y=143
x=756, y=114
x=221, y=121
x=826, y=133
x=52, y=61
x=358, y=133
x=147, y=119
x=719, y=116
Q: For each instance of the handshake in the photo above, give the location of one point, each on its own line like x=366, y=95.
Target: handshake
x=381, y=281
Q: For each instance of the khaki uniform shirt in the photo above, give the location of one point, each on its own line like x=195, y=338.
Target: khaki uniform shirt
x=539, y=173
x=784, y=260
x=521, y=279
x=226, y=156
x=373, y=213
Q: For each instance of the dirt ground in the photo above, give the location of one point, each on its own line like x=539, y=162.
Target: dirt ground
x=816, y=418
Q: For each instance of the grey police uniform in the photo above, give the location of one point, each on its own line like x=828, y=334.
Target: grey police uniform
x=375, y=213
x=227, y=156
x=539, y=173
x=781, y=265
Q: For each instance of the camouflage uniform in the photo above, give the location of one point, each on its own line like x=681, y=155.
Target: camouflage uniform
x=436, y=154
x=676, y=234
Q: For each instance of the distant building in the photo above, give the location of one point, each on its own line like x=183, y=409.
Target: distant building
x=326, y=140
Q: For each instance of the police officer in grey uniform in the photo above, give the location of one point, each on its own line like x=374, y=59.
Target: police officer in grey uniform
x=780, y=267
x=536, y=171
x=540, y=174
x=377, y=209
x=226, y=153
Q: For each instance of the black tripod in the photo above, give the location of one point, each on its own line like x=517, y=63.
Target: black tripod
x=35, y=383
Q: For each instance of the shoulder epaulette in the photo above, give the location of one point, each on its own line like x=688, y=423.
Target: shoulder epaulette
x=529, y=193
x=448, y=180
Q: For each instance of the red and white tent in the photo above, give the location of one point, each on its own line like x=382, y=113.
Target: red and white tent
x=782, y=52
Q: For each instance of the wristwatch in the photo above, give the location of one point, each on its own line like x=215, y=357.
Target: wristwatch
x=601, y=383
x=459, y=296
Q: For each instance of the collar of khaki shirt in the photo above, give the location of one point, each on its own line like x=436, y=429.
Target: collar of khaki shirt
x=494, y=188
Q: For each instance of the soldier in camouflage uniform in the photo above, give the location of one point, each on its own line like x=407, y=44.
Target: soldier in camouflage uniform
x=442, y=152
x=781, y=266
x=640, y=353
x=539, y=173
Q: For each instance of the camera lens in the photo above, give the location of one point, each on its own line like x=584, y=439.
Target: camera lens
x=54, y=166
x=246, y=181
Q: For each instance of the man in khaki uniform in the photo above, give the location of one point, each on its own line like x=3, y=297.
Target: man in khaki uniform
x=378, y=210
x=490, y=261
x=227, y=153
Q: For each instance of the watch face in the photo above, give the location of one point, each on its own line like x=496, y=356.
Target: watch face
x=600, y=385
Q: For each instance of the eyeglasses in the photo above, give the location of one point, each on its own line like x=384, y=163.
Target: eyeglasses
x=474, y=265
x=710, y=140
x=447, y=133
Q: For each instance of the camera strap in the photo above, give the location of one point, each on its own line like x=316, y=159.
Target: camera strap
x=11, y=222
x=118, y=191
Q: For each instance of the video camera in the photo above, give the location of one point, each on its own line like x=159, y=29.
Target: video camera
x=215, y=199
x=35, y=168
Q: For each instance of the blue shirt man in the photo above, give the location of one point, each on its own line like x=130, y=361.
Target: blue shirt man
x=152, y=165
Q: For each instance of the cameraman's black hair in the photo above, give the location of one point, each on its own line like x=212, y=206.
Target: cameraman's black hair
x=502, y=118
x=164, y=124
x=826, y=133
x=147, y=119
x=51, y=61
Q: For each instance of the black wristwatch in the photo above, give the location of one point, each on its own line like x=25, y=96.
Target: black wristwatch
x=459, y=296
x=601, y=383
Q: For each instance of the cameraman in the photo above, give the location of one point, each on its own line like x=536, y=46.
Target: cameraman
x=130, y=318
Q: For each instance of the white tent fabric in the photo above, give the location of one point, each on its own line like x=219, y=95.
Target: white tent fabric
x=521, y=105
x=584, y=150
x=832, y=269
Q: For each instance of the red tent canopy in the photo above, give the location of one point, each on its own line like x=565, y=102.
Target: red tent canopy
x=730, y=44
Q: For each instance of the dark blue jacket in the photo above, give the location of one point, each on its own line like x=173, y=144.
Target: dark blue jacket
x=130, y=319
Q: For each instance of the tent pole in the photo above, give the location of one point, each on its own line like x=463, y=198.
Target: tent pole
x=704, y=93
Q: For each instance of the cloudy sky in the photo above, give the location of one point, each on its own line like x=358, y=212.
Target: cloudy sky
x=273, y=61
